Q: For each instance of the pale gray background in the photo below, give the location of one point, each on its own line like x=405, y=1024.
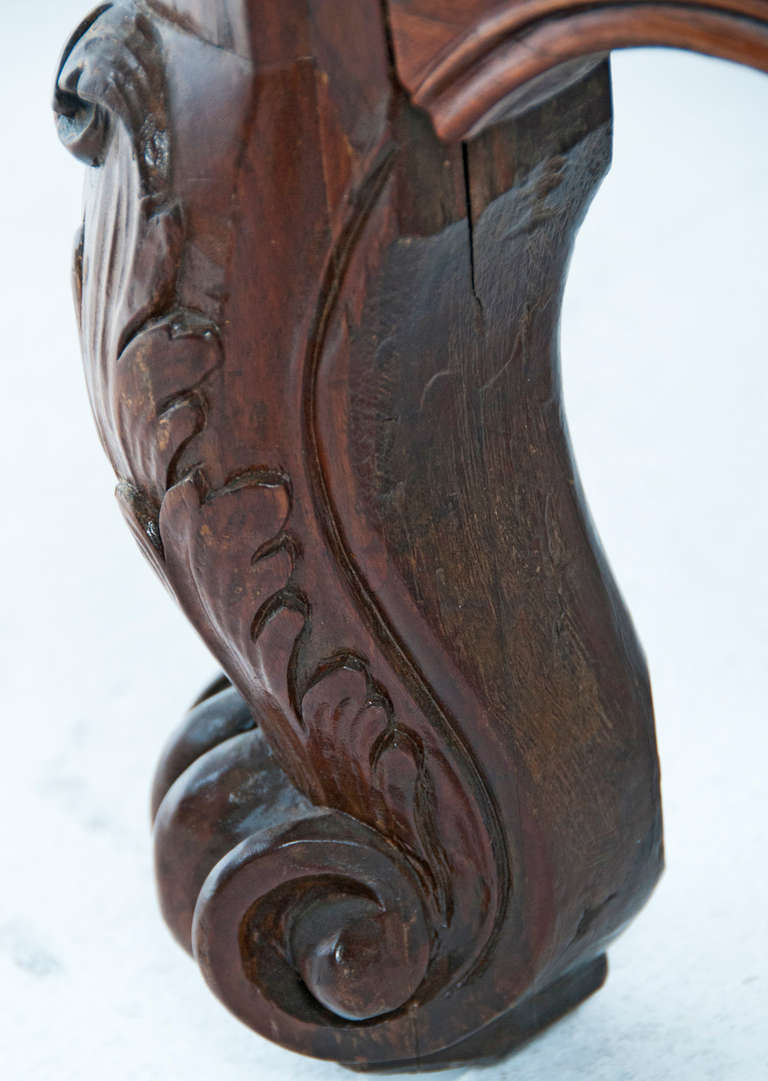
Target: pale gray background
x=665, y=365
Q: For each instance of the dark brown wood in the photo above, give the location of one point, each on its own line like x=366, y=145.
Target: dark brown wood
x=471, y=63
x=321, y=347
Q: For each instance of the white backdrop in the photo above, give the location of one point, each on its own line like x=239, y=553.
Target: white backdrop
x=664, y=343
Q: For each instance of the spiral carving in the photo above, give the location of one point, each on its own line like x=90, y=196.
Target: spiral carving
x=347, y=835
x=329, y=815
x=297, y=914
x=325, y=897
x=96, y=87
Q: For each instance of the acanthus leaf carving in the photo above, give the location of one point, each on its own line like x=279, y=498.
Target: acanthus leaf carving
x=229, y=542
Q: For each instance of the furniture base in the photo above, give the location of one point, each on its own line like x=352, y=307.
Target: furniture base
x=515, y=1028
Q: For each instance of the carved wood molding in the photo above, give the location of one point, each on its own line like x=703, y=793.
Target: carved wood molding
x=471, y=63
x=320, y=346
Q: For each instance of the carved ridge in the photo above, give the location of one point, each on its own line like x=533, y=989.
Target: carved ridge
x=373, y=835
x=154, y=406
x=327, y=514
x=505, y=52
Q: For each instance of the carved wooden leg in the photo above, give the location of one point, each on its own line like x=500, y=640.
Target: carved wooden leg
x=219, y=786
x=321, y=348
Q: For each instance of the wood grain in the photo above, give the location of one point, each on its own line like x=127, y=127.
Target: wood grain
x=470, y=63
x=320, y=342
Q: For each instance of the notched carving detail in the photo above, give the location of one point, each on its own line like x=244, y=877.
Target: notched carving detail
x=342, y=721
x=160, y=399
x=339, y=855
x=229, y=550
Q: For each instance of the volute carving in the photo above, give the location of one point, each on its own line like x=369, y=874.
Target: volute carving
x=320, y=344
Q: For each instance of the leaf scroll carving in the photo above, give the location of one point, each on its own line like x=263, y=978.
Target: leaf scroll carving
x=234, y=538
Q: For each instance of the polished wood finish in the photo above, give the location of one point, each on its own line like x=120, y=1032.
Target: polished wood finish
x=470, y=63
x=320, y=342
